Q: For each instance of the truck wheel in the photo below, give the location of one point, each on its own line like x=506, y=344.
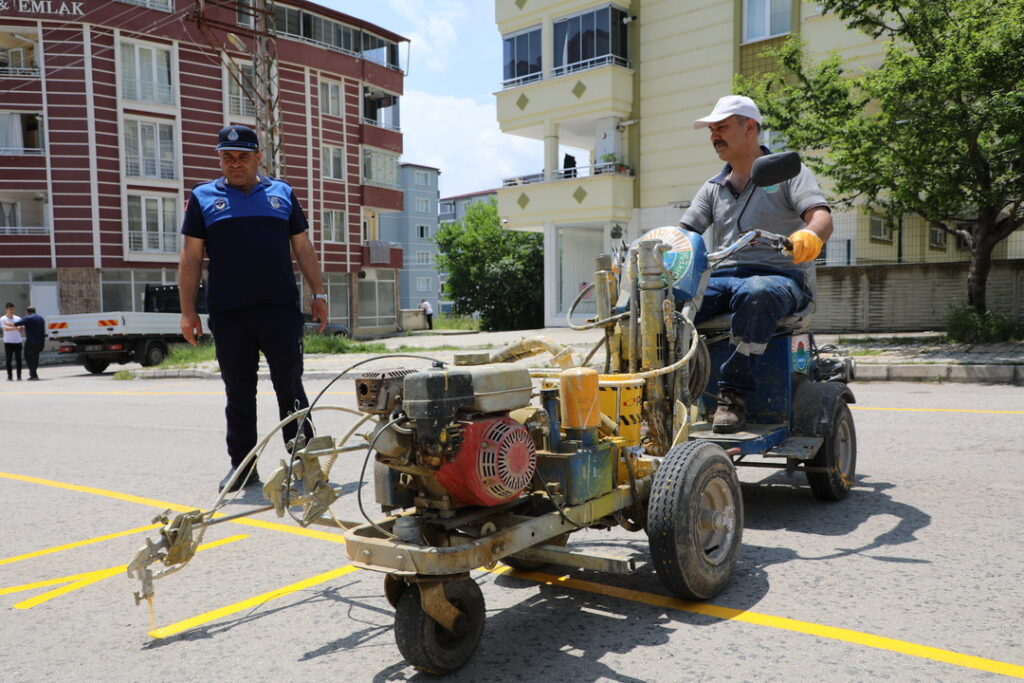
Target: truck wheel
x=427, y=645
x=695, y=520
x=838, y=455
x=155, y=354
x=95, y=365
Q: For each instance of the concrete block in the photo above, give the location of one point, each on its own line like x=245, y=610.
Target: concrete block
x=872, y=373
x=982, y=374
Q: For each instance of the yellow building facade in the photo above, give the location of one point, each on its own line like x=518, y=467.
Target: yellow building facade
x=623, y=81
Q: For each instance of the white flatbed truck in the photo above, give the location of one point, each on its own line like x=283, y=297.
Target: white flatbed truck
x=100, y=339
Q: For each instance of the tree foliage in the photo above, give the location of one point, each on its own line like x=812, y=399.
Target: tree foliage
x=491, y=271
x=936, y=130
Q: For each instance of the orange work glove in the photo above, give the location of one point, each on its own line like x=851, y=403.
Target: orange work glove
x=806, y=246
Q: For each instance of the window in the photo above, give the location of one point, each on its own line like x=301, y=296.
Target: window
x=423, y=258
x=125, y=290
x=380, y=109
x=334, y=226
x=163, y=5
x=23, y=213
x=765, y=19
x=153, y=224
x=242, y=90
x=936, y=237
x=246, y=16
x=310, y=28
x=21, y=134
x=330, y=98
x=422, y=178
x=773, y=140
x=423, y=284
x=149, y=149
x=377, y=298
x=18, y=53
x=380, y=168
x=880, y=229
x=336, y=285
x=146, y=74
x=447, y=210
x=422, y=205
x=10, y=215
x=522, y=57
x=590, y=39
x=333, y=163
x=423, y=231
x=962, y=243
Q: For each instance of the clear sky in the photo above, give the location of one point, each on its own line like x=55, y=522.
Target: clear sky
x=453, y=65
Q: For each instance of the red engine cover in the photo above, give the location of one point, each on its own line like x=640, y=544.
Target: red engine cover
x=494, y=464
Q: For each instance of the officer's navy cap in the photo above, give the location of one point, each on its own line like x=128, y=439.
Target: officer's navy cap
x=238, y=137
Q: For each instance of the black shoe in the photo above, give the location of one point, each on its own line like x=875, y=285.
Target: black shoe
x=731, y=415
x=33, y=379
x=252, y=480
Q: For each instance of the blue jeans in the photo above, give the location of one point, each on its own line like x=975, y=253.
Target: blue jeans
x=758, y=301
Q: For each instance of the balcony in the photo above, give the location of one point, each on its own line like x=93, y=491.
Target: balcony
x=23, y=213
x=380, y=254
x=595, y=194
x=574, y=100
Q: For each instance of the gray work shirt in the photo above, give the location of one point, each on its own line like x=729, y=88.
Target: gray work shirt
x=777, y=208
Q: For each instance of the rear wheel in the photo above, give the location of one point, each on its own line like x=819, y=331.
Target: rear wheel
x=154, y=354
x=95, y=365
x=838, y=456
x=695, y=520
x=426, y=644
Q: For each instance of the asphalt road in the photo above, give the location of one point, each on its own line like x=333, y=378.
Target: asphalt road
x=915, y=577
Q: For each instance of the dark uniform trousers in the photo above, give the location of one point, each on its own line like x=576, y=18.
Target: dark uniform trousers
x=240, y=335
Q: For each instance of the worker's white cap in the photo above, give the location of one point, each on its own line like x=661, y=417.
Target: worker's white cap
x=727, y=106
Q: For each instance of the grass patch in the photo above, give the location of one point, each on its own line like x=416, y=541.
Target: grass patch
x=123, y=374
x=866, y=352
x=893, y=341
x=455, y=322
x=188, y=356
x=315, y=343
x=404, y=348
x=967, y=326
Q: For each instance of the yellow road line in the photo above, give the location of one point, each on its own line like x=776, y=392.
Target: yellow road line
x=77, y=544
x=255, y=601
x=941, y=410
x=164, y=505
x=716, y=611
x=75, y=581
x=781, y=623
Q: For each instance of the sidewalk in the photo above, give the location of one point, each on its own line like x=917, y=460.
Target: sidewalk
x=905, y=357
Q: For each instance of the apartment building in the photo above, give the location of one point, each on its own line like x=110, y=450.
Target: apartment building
x=413, y=230
x=109, y=112
x=623, y=80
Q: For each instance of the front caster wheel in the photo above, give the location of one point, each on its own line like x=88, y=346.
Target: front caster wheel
x=695, y=520
x=426, y=644
x=837, y=456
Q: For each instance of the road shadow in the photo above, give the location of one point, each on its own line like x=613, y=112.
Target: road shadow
x=784, y=503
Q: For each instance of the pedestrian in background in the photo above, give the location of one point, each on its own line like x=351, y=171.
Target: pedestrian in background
x=249, y=226
x=428, y=311
x=34, y=327
x=12, y=340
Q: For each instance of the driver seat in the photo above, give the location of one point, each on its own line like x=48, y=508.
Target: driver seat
x=798, y=323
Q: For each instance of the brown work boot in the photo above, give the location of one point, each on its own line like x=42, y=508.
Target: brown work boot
x=731, y=415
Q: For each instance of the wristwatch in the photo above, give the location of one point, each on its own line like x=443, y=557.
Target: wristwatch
x=322, y=297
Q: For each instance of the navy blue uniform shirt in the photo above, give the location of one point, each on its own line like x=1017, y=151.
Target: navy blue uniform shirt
x=35, y=329
x=247, y=241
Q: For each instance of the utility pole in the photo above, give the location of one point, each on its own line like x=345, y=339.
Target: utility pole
x=260, y=90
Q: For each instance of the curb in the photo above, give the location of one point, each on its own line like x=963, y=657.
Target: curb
x=976, y=374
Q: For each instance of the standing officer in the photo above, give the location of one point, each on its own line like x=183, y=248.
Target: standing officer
x=249, y=226
x=35, y=339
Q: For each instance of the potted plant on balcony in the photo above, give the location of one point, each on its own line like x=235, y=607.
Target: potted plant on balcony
x=620, y=167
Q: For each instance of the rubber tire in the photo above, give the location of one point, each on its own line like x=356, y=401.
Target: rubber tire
x=837, y=482
x=532, y=565
x=154, y=355
x=95, y=366
x=426, y=644
x=673, y=514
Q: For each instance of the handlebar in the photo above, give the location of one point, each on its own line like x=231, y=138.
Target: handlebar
x=780, y=242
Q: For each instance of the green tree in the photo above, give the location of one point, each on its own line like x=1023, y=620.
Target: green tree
x=494, y=272
x=937, y=130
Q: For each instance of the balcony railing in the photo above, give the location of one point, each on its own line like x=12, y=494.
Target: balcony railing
x=386, y=184
x=521, y=80
x=24, y=230
x=589, y=64
x=607, y=168
x=388, y=125
x=19, y=71
x=152, y=242
x=22, y=151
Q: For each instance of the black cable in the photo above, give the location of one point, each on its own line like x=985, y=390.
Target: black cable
x=362, y=474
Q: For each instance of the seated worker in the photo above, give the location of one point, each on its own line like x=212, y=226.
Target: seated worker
x=758, y=284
